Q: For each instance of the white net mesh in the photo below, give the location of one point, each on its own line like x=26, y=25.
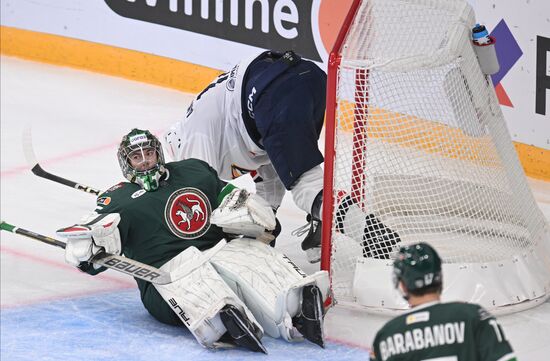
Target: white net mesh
x=421, y=142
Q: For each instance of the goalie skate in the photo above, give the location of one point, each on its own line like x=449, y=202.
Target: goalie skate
x=310, y=320
x=240, y=330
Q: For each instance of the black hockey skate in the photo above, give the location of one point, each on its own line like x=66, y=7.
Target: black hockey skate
x=312, y=242
x=240, y=330
x=310, y=320
x=379, y=240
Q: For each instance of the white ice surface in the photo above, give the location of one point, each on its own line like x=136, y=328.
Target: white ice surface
x=51, y=311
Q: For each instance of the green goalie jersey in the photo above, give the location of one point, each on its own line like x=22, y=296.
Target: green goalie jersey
x=453, y=331
x=156, y=226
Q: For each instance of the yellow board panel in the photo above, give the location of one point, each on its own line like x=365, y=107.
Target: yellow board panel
x=406, y=130
x=105, y=59
x=535, y=160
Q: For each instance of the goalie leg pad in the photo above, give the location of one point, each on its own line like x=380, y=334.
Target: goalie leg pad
x=269, y=283
x=199, y=297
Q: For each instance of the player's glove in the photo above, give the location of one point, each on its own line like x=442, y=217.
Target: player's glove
x=247, y=214
x=377, y=239
x=97, y=233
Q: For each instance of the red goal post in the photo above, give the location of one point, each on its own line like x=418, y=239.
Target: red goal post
x=330, y=126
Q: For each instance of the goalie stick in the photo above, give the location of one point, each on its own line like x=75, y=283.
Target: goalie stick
x=123, y=264
x=39, y=171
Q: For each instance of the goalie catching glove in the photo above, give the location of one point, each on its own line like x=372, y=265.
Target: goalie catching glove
x=245, y=213
x=97, y=233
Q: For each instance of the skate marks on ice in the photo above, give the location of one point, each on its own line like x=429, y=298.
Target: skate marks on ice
x=115, y=326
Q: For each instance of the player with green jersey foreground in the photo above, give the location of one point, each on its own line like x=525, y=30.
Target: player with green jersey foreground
x=178, y=216
x=454, y=331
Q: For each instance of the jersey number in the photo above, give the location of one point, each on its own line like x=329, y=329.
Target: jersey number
x=218, y=80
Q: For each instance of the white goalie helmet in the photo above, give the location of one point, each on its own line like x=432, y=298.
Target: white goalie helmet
x=139, y=143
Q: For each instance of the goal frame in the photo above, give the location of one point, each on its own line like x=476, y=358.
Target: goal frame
x=334, y=60
x=358, y=178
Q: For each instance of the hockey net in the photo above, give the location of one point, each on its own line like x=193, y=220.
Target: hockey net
x=415, y=136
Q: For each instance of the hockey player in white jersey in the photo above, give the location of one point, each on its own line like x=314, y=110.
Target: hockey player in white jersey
x=264, y=117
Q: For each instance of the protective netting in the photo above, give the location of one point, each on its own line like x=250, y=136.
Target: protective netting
x=421, y=142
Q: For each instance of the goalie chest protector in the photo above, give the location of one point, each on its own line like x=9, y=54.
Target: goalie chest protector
x=157, y=226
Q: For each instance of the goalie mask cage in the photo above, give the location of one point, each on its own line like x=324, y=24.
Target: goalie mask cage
x=415, y=136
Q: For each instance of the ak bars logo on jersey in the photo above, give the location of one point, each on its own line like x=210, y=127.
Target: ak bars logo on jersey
x=187, y=213
x=274, y=24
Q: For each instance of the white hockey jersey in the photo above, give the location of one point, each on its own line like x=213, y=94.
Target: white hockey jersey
x=213, y=131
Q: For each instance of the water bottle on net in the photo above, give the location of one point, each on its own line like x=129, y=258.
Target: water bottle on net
x=484, y=47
